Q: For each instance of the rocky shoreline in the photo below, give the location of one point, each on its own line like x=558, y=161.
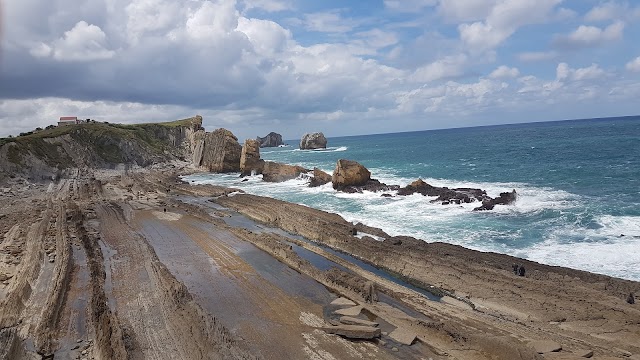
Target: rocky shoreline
x=134, y=263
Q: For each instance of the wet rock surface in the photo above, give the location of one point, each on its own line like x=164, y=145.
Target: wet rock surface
x=250, y=161
x=278, y=172
x=319, y=178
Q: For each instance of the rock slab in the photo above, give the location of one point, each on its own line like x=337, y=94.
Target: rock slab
x=354, y=331
x=313, y=141
x=545, y=346
x=403, y=336
x=349, y=320
x=319, y=178
x=352, y=311
x=343, y=302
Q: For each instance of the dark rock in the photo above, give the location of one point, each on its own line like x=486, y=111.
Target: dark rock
x=250, y=161
x=444, y=195
x=505, y=198
x=313, y=141
x=277, y=172
x=271, y=140
x=319, y=178
x=631, y=299
x=521, y=271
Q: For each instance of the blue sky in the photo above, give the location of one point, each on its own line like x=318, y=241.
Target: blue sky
x=341, y=67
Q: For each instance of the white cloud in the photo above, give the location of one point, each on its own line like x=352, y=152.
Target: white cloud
x=634, y=65
x=613, y=11
x=84, y=42
x=587, y=36
x=330, y=22
x=504, y=72
x=536, y=56
x=447, y=67
x=504, y=19
x=456, y=11
x=565, y=73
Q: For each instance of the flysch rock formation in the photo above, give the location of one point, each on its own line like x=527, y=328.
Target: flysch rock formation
x=250, y=161
x=349, y=173
x=311, y=141
x=271, y=140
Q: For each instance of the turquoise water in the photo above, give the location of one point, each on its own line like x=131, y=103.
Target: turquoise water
x=578, y=184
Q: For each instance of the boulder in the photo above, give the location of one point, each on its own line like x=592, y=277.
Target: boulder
x=271, y=140
x=250, y=158
x=277, y=172
x=354, y=331
x=220, y=152
x=349, y=173
x=319, y=178
x=313, y=141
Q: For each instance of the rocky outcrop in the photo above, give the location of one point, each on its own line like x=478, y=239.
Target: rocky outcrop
x=313, y=141
x=250, y=161
x=319, y=178
x=277, y=172
x=271, y=140
x=221, y=152
x=354, y=331
x=505, y=198
x=349, y=173
x=444, y=194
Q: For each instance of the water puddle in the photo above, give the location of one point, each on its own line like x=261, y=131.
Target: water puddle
x=108, y=254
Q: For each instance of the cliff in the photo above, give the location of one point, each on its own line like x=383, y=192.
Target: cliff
x=46, y=154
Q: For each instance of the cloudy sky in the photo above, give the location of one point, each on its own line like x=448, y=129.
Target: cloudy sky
x=341, y=67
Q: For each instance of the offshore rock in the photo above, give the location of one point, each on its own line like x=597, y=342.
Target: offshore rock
x=505, y=198
x=271, y=140
x=313, y=141
x=277, y=172
x=319, y=178
x=250, y=158
x=349, y=173
x=444, y=194
x=220, y=152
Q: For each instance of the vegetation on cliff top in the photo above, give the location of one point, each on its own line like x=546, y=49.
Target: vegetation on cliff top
x=103, y=138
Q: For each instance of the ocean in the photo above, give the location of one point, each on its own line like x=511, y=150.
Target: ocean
x=578, y=185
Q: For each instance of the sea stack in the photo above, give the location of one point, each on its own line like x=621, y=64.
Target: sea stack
x=271, y=140
x=250, y=158
x=349, y=173
x=311, y=141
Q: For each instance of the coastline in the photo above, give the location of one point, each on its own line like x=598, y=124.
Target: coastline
x=486, y=312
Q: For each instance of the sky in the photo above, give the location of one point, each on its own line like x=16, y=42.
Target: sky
x=295, y=66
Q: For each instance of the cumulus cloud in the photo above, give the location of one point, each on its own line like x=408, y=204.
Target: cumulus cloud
x=634, y=65
x=84, y=42
x=448, y=67
x=565, y=73
x=612, y=11
x=588, y=36
x=504, y=72
x=503, y=20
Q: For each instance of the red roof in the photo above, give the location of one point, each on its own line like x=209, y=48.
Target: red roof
x=68, y=118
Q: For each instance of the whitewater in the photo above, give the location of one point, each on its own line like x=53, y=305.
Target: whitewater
x=577, y=181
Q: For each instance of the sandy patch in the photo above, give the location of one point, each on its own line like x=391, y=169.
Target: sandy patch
x=167, y=216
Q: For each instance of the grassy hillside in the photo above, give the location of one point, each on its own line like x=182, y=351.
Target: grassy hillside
x=110, y=143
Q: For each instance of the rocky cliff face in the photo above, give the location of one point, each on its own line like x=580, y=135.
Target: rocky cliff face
x=47, y=154
x=271, y=140
x=313, y=141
